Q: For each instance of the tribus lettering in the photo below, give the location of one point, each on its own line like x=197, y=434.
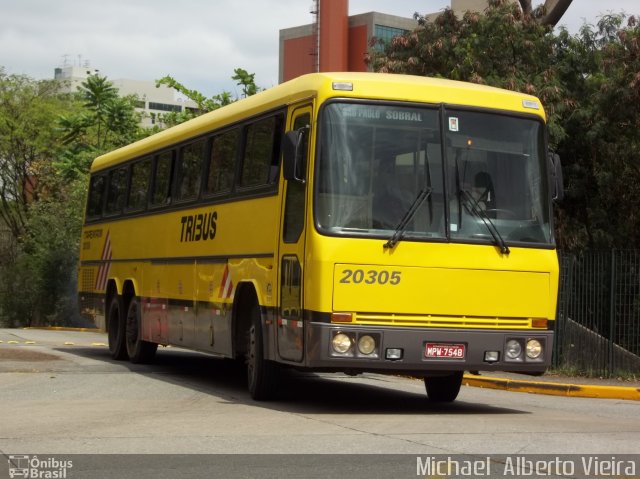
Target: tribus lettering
x=198, y=227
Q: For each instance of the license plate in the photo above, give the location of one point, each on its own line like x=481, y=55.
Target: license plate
x=445, y=351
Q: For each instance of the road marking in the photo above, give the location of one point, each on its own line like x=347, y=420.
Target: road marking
x=69, y=343
x=98, y=344
x=29, y=342
x=13, y=342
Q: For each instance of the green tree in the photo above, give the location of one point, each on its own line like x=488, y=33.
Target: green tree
x=247, y=80
x=42, y=285
x=29, y=144
x=106, y=121
x=549, y=13
x=28, y=114
x=600, y=68
x=204, y=104
x=103, y=121
x=47, y=142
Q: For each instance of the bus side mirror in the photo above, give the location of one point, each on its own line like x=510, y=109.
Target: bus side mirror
x=295, y=154
x=556, y=175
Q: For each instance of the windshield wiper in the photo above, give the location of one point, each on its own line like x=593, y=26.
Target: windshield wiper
x=402, y=226
x=472, y=207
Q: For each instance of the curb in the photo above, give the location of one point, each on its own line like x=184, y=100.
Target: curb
x=553, y=389
x=65, y=328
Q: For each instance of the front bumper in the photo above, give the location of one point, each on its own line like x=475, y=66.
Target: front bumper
x=412, y=342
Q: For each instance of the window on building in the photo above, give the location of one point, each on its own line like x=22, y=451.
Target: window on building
x=164, y=106
x=384, y=35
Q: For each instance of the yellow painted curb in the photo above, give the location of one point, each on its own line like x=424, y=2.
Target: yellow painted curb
x=553, y=389
x=65, y=328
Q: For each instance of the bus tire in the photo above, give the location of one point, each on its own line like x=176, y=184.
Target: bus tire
x=262, y=374
x=138, y=350
x=443, y=388
x=115, y=328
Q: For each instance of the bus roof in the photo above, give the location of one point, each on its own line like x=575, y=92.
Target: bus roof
x=374, y=86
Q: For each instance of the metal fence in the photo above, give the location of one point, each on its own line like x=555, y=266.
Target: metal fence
x=598, y=327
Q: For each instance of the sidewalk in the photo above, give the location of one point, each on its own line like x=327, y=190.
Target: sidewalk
x=556, y=385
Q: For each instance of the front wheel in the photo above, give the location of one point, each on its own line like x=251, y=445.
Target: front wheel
x=262, y=374
x=139, y=351
x=443, y=388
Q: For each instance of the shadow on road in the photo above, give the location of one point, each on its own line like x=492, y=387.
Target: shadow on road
x=299, y=392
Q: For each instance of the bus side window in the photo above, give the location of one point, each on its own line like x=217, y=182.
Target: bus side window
x=222, y=162
x=162, y=179
x=190, y=170
x=261, y=154
x=96, y=197
x=116, y=190
x=139, y=187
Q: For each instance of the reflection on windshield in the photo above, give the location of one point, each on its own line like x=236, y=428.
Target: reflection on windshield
x=375, y=160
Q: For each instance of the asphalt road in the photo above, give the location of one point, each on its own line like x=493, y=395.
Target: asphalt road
x=61, y=394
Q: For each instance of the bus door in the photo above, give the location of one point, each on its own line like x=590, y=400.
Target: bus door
x=290, y=328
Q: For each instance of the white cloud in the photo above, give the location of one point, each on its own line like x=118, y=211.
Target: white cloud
x=197, y=42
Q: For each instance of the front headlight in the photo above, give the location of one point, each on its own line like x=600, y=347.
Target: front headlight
x=341, y=343
x=366, y=344
x=534, y=349
x=513, y=349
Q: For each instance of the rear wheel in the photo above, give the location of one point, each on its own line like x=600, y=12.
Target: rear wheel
x=262, y=375
x=115, y=328
x=139, y=351
x=443, y=388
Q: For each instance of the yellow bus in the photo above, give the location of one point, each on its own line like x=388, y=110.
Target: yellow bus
x=339, y=222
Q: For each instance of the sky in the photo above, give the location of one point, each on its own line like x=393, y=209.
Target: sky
x=198, y=42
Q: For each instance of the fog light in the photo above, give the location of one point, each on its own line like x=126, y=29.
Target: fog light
x=393, y=353
x=341, y=343
x=534, y=349
x=491, y=356
x=366, y=344
x=514, y=349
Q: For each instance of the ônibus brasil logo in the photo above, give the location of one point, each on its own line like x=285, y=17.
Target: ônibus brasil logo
x=32, y=467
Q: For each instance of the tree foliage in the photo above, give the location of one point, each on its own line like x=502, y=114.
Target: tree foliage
x=204, y=104
x=28, y=115
x=47, y=141
x=589, y=84
x=548, y=13
x=600, y=70
x=104, y=121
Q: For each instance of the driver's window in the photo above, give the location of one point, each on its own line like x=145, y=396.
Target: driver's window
x=293, y=223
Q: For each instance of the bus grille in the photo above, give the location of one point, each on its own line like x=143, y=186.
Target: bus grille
x=88, y=279
x=429, y=321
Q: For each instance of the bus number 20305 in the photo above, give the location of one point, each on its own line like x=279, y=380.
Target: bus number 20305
x=358, y=276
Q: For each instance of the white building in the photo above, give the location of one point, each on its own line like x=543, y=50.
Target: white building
x=153, y=102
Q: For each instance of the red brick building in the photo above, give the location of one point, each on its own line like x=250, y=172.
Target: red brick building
x=335, y=41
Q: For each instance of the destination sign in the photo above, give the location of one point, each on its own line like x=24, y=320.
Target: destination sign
x=387, y=114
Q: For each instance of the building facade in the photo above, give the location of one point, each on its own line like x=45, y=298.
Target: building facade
x=153, y=102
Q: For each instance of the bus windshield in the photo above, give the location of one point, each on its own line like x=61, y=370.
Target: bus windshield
x=375, y=160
